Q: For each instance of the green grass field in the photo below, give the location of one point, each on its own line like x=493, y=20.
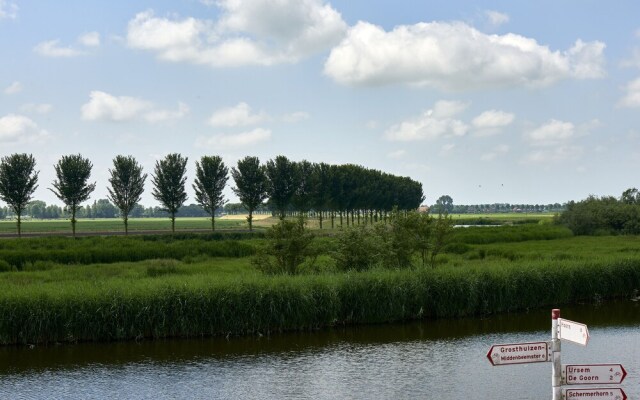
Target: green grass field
x=116, y=225
x=195, y=284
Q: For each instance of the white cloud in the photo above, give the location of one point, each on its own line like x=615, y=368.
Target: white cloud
x=496, y=18
x=632, y=97
x=432, y=124
x=239, y=115
x=52, y=48
x=493, y=119
x=8, y=10
x=552, y=133
x=446, y=149
x=15, y=87
x=249, y=32
x=244, y=139
x=495, y=153
x=18, y=128
x=156, y=116
x=103, y=106
x=90, y=39
x=455, y=56
x=36, y=108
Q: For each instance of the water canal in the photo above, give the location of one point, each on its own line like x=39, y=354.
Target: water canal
x=428, y=360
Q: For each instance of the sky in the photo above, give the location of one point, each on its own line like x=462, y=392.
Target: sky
x=488, y=102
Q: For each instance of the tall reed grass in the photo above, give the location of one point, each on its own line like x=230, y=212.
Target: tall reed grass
x=191, y=305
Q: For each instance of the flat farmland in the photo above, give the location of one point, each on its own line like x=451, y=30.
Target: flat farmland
x=38, y=226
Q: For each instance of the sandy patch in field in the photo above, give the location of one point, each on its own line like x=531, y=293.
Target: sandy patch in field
x=256, y=217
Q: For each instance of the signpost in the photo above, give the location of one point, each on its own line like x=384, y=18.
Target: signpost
x=564, y=374
x=519, y=353
x=595, y=393
x=589, y=374
x=573, y=331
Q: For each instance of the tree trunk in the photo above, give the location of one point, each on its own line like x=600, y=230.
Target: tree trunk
x=250, y=220
x=126, y=225
x=19, y=228
x=173, y=222
x=320, y=219
x=73, y=220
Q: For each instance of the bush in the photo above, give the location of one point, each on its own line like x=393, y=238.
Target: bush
x=288, y=245
x=360, y=248
x=4, y=266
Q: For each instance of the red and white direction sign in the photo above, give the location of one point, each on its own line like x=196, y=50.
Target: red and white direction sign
x=573, y=331
x=594, y=393
x=576, y=374
x=519, y=353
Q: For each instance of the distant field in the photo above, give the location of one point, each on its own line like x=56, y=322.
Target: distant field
x=115, y=224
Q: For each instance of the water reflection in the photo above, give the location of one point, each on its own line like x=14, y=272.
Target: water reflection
x=430, y=359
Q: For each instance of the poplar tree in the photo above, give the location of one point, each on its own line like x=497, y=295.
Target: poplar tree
x=71, y=185
x=169, y=181
x=211, y=179
x=251, y=184
x=18, y=181
x=127, y=186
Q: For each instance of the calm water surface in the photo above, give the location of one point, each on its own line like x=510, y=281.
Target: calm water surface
x=428, y=360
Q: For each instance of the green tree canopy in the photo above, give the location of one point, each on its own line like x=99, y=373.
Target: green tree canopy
x=72, y=186
x=18, y=181
x=127, y=186
x=282, y=178
x=169, y=181
x=251, y=184
x=211, y=178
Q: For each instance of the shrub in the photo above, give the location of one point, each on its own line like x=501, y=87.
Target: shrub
x=4, y=266
x=359, y=248
x=288, y=245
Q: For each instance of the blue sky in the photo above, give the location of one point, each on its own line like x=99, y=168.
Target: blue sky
x=493, y=101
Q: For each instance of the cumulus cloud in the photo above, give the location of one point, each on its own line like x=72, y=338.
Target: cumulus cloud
x=455, y=56
x=104, y=106
x=249, y=32
x=491, y=122
x=52, y=48
x=432, y=124
x=552, y=133
x=36, y=108
x=8, y=10
x=15, y=87
x=632, y=96
x=16, y=128
x=91, y=39
x=496, y=18
x=239, y=115
x=225, y=141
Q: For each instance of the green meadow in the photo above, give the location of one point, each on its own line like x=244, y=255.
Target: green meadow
x=59, y=289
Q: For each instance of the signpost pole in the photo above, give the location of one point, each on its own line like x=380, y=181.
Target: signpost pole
x=556, y=364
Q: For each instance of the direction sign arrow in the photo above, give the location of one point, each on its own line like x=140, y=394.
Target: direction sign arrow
x=588, y=374
x=519, y=353
x=595, y=393
x=573, y=331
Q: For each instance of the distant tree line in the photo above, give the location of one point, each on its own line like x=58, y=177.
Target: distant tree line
x=350, y=192
x=445, y=203
x=604, y=215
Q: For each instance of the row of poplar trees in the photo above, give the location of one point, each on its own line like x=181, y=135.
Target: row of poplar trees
x=329, y=190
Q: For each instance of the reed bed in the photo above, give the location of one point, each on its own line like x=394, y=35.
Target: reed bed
x=26, y=252
x=212, y=298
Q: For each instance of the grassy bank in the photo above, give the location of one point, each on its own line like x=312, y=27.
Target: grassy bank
x=221, y=296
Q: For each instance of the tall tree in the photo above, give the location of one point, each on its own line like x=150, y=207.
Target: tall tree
x=71, y=185
x=282, y=183
x=251, y=184
x=303, y=195
x=168, y=182
x=444, y=204
x=18, y=181
x=211, y=178
x=127, y=186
